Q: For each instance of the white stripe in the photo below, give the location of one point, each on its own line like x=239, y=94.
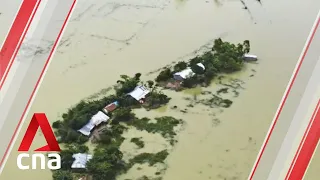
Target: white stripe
x=298, y=126
x=1, y=95
x=21, y=53
x=283, y=97
x=13, y=79
x=33, y=97
x=11, y=26
x=304, y=138
x=21, y=39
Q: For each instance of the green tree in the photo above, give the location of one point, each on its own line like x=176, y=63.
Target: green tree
x=190, y=82
x=127, y=84
x=122, y=114
x=218, y=43
x=66, y=159
x=137, y=76
x=106, y=163
x=150, y=84
x=246, y=45
x=62, y=175
x=195, y=61
x=197, y=69
x=164, y=75
x=156, y=99
x=181, y=65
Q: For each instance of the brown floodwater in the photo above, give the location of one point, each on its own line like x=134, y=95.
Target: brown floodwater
x=107, y=38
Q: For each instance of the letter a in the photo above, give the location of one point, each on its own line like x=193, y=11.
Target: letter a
x=39, y=120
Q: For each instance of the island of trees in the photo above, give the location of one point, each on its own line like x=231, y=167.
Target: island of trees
x=107, y=162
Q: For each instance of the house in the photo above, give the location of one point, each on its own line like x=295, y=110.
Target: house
x=80, y=161
x=110, y=107
x=139, y=93
x=186, y=73
x=94, y=121
x=250, y=57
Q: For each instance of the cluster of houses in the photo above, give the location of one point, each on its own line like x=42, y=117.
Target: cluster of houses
x=139, y=94
x=81, y=159
x=186, y=73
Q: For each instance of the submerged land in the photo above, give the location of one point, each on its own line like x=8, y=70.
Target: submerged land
x=107, y=38
x=110, y=160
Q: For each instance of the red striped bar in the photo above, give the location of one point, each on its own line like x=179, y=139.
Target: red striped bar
x=38, y=82
x=306, y=149
x=15, y=36
x=284, y=98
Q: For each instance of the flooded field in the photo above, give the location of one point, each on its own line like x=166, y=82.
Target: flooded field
x=107, y=38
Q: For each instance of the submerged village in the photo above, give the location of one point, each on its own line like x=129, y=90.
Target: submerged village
x=91, y=132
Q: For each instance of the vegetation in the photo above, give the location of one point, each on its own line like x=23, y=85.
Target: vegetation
x=163, y=125
x=127, y=84
x=222, y=90
x=122, y=114
x=164, y=75
x=65, y=175
x=76, y=118
x=150, y=158
x=112, y=136
x=217, y=101
x=181, y=65
x=106, y=163
x=79, y=115
x=107, y=158
x=156, y=98
x=138, y=142
x=223, y=57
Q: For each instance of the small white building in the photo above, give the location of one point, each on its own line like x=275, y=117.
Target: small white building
x=139, y=92
x=250, y=57
x=94, y=121
x=80, y=161
x=186, y=73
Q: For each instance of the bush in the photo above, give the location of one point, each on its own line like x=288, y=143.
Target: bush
x=181, y=65
x=122, y=114
x=138, y=142
x=106, y=163
x=150, y=158
x=62, y=175
x=164, y=75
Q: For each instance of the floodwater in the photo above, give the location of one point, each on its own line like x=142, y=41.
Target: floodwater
x=107, y=38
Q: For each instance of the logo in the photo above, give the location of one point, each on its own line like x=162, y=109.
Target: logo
x=54, y=162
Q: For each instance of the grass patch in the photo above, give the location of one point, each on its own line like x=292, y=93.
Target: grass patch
x=164, y=125
x=150, y=158
x=138, y=142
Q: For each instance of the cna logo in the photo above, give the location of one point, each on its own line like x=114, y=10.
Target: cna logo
x=54, y=159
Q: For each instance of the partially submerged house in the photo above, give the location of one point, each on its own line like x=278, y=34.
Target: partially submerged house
x=139, y=93
x=110, y=107
x=80, y=161
x=93, y=122
x=186, y=73
x=250, y=57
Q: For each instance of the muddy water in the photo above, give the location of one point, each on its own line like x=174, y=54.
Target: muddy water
x=107, y=38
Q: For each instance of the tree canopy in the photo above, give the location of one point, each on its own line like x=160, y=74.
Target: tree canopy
x=223, y=57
